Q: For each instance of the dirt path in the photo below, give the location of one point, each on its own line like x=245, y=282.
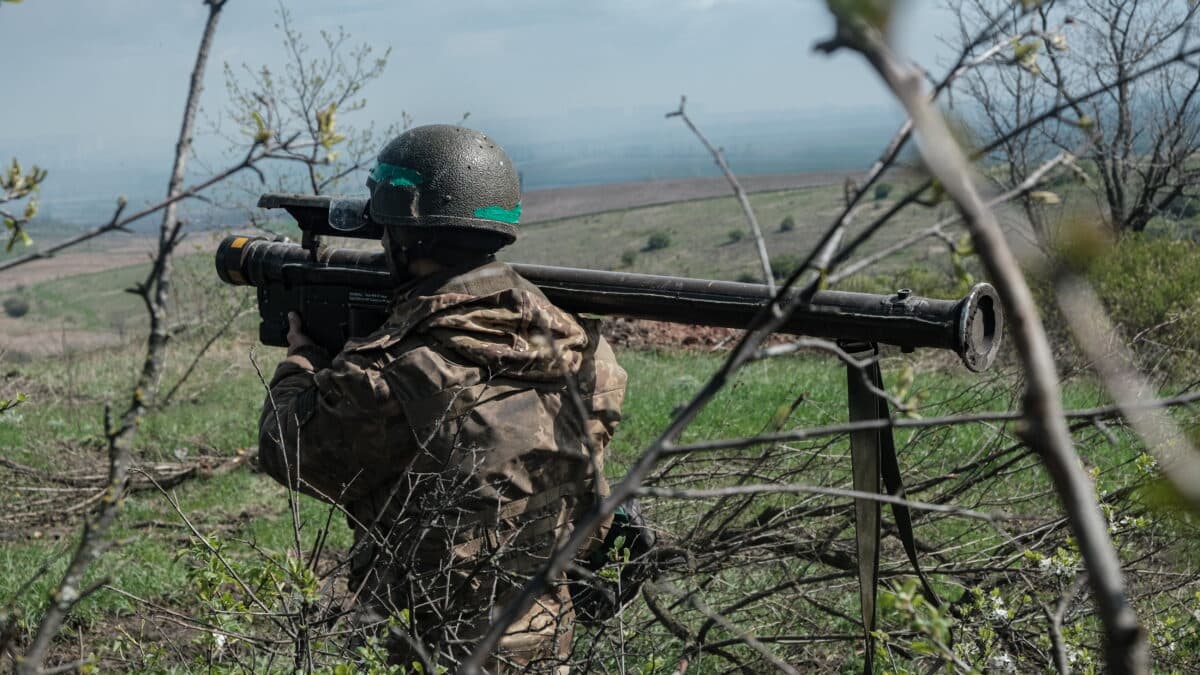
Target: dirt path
x=20, y=340
x=542, y=205
x=128, y=251
x=538, y=206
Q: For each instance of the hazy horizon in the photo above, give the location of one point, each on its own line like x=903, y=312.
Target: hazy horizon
x=575, y=91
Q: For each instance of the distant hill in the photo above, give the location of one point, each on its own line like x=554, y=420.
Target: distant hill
x=570, y=150
x=567, y=202
x=706, y=237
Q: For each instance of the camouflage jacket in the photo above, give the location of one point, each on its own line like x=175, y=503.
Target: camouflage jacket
x=471, y=426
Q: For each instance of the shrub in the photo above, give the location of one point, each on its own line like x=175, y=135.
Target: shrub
x=1150, y=285
x=628, y=258
x=788, y=224
x=924, y=279
x=735, y=236
x=748, y=278
x=16, y=307
x=1183, y=208
x=882, y=190
x=657, y=241
x=1146, y=281
x=782, y=266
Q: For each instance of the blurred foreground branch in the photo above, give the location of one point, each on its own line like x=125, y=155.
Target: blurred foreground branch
x=1046, y=430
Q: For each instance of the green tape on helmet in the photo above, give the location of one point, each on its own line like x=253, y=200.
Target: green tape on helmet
x=396, y=176
x=499, y=213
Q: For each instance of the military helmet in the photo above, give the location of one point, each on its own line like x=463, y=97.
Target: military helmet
x=446, y=177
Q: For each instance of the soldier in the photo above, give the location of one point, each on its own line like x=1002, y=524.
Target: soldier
x=466, y=436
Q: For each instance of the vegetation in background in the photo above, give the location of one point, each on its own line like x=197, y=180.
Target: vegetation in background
x=599, y=240
x=1150, y=286
x=783, y=265
x=1137, y=144
x=16, y=306
x=781, y=563
x=658, y=241
x=246, y=516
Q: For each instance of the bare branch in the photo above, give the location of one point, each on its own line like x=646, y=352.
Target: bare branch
x=743, y=199
x=93, y=541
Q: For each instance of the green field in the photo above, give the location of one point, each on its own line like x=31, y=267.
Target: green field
x=701, y=243
x=157, y=560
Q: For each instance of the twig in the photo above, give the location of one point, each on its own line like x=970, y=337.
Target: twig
x=212, y=339
x=743, y=200
x=93, y=541
x=117, y=223
x=229, y=569
x=715, y=493
x=1029, y=184
x=740, y=635
x=1088, y=414
x=1061, y=662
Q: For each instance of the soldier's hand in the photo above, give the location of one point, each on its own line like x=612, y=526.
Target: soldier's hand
x=296, y=337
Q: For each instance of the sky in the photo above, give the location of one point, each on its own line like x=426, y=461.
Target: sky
x=102, y=82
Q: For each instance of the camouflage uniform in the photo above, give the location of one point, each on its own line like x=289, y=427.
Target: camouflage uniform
x=453, y=440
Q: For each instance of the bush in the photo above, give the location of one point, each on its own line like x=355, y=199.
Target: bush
x=748, y=278
x=657, y=241
x=788, y=224
x=628, y=258
x=1146, y=281
x=782, y=266
x=882, y=190
x=16, y=307
x=923, y=279
x=1183, y=208
x=735, y=236
x=1149, y=285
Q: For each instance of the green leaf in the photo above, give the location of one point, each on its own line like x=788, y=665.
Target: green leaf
x=261, y=133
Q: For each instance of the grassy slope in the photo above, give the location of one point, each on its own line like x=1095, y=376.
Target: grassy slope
x=699, y=232
x=98, y=301
x=700, y=247
x=65, y=411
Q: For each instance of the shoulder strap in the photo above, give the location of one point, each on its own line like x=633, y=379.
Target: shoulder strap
x=872, y=456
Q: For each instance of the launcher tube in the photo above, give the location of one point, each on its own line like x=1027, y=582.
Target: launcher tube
x=970, y=326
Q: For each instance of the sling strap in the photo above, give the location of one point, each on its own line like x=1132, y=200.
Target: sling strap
x=872, y=457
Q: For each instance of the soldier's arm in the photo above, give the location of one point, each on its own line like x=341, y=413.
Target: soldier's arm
x=327, y=427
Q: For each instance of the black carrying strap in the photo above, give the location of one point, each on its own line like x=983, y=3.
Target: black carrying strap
x=872, y=456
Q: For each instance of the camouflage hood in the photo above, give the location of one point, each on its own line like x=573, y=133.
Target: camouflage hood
x=493, y=318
